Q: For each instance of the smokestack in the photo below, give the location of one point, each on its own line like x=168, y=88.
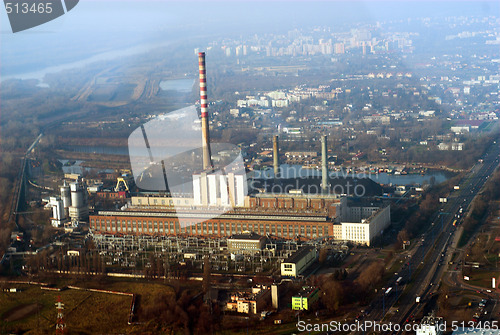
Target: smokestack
x=207, y=156
x=324, y=166
x=276, y=160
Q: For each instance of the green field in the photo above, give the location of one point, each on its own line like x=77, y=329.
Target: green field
x=32, y=311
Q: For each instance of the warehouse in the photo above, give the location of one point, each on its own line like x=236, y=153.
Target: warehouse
x=296, y=264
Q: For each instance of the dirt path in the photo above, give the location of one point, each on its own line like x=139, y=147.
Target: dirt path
x=21, y=312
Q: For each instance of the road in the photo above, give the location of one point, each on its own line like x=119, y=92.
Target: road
x=423, y=271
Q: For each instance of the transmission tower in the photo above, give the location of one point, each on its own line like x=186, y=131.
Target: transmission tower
x=60, y=326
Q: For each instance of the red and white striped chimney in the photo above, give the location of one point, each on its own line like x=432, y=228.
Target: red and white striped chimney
x=207, y=157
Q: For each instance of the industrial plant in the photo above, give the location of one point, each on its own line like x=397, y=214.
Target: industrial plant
x=229, y=199
x=71, y=207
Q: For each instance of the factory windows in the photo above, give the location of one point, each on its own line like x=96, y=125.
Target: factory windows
x=273, y=229
x=239, y=227
x=155, y=201
x=139, y=201
x=163, y=201
x=261, y=228
x=233, y=227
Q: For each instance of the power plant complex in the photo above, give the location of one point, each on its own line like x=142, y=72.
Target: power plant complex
x=71, y=206
x=228, y=200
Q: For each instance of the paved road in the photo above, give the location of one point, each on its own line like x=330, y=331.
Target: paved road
x=424, y=270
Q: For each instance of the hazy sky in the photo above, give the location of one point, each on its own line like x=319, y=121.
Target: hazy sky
x=93, y=27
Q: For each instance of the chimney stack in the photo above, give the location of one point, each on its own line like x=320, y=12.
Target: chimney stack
x=207, y=156
x=276, y=160
x=324, y=165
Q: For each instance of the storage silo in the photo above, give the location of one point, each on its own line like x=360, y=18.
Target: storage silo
x=66, y=197
x=79, y=209
x=76, y=195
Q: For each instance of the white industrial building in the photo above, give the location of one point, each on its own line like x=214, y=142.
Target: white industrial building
x=219, y=190
x=296, y=264
x=368, y=228
x=361, y=221
x=72, y=205
x=58, y=214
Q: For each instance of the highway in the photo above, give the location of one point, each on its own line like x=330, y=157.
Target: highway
x=424, y=269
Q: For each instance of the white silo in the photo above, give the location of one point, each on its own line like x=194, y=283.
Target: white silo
x=66, y=197
x=79, y=209
x=76, y=195
x=66, y=194
x=58, y=215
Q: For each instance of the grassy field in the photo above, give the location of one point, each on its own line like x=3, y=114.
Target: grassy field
x=32, y=311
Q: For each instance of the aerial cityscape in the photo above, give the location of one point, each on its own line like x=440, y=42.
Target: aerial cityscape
x=246, y=168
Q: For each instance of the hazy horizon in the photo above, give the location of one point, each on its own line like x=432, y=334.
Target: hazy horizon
x=96, y=27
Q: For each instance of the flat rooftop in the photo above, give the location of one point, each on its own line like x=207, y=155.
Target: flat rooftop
x=246, y=236
x=299, y=254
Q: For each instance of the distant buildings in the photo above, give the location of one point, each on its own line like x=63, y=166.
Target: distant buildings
x=451, y=146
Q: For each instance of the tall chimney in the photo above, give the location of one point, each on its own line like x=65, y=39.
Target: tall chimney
x=276, y=160
x=207, y=156
x=324, y=165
